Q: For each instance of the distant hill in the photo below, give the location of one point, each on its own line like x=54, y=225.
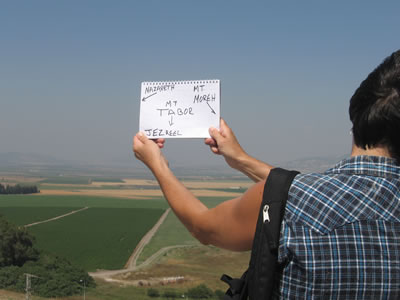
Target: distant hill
x=131, y=168
x=48, y=165
x=312, y=164
x=24, y=159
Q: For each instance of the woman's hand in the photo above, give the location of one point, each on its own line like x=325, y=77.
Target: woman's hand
x=224, y=142
x=149, y=151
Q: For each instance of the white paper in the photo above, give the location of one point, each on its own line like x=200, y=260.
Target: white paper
x=179, y=109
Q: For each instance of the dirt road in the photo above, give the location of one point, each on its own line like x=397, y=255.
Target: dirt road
x=144, y=241
x=56, y=218
x=131, y=266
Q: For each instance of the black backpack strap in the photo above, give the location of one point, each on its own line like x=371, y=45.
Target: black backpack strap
x=237, y=287
x=264, y=256
x=258, y=281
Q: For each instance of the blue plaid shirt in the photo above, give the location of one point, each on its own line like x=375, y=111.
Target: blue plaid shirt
x=340, y=237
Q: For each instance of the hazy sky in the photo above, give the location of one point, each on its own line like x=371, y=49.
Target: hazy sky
x=70, y=71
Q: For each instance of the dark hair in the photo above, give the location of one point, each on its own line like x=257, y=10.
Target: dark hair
x=375, y=108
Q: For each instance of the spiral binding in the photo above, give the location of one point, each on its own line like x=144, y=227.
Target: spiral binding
x=181, y=82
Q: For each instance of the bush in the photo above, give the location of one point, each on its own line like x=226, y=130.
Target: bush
x=200, y=292
x=16, y=245
x=170, y=294
x=153, y=293
x=9, y=276
x=54, y=276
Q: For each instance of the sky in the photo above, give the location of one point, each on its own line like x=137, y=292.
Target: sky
x=70, y=72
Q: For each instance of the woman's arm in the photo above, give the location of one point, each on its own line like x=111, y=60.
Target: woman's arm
x=230, y=225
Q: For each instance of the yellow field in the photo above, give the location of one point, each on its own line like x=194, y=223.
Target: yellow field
x=198, y=188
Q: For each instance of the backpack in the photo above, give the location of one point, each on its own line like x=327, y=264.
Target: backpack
x=257, y=282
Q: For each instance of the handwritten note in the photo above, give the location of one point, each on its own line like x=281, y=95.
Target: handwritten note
x=179, y=109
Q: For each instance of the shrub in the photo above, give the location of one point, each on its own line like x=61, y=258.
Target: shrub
x=54, y=276
x=219, y=294
x=16, y=245
x=153, y=293
x=170, y=294
x=200, y=292
x=9, y=276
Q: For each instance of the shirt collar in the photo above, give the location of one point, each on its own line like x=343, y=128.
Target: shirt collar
x=377, y=166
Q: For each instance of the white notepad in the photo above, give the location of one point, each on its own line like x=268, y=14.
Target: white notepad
x=179, y=109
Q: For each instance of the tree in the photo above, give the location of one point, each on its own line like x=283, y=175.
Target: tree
x=56, y=277
x=2, y=189
x=16, y=245
x=18, y=189
x=200, y=292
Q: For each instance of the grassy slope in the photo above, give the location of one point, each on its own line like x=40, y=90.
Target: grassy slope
x=172, y=232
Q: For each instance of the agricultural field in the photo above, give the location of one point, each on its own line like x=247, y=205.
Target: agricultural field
x=66, y=180
x=103, y=236
x=112, y=216
x=78, y=201
x=97, y=238
x=22, y=216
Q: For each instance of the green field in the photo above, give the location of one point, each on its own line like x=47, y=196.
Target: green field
x=26, y=215
x=97, y=238
x=108, y=221
x=101, y=237
x=107, y=179
x=67, y=180
x=79, y=201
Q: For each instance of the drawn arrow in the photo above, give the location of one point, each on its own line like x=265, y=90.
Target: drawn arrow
x=171, y=122
x=211, y=108
x=144, y=98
